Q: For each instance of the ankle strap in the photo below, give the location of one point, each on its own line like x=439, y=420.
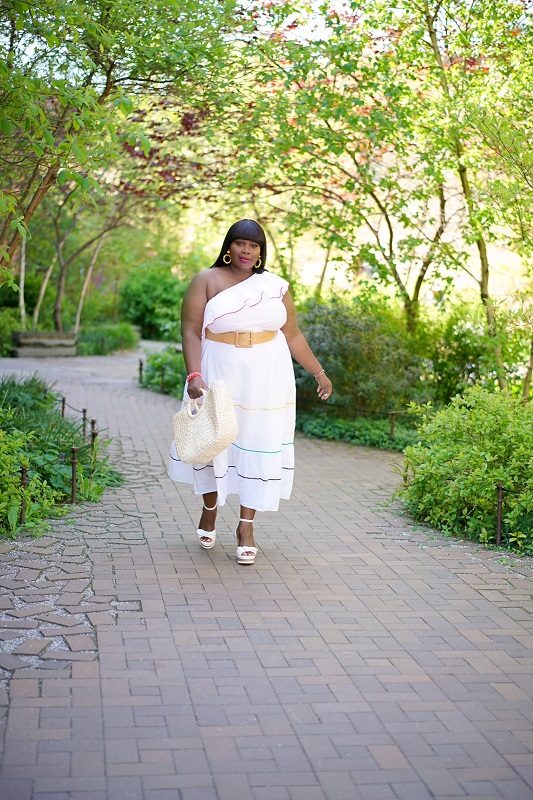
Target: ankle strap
x=210, y=509
x=245, y=520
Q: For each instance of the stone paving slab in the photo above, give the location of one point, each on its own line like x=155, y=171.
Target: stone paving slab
x=361, y=657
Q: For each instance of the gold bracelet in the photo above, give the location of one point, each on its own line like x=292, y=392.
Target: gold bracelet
x=322, y=372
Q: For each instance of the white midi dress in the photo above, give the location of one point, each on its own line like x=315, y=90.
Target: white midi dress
x=259, y=465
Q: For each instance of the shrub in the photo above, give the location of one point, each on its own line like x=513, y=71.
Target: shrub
x=372, y=432
x=105, y=339
x=33, y=434
x=372, y=361
x=9, y=293
x=459, y=352
x=480, y=440
x=151, y=298
x=9, y=322
x=25, y=396
x=40, y=499
x=166, y=372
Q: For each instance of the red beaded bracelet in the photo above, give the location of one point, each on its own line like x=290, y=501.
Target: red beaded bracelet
x=192, y=375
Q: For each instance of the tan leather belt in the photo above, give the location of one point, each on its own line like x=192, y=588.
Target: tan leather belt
x=241, y=338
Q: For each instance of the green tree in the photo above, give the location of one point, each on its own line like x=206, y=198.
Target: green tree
x=365, y=123
x=69, y=77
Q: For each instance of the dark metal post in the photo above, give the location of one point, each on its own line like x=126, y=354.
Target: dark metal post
x=63, y=404
x=84, y=421
x=392, y=424
x=141, y=371
x=499, y=515
x=23, y=484
x=74, y=474
x=94, y=432
x=162, y=387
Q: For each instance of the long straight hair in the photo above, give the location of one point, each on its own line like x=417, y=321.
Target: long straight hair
x=244, y=229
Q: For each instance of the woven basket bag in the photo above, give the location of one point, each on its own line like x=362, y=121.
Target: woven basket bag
x=203, y=431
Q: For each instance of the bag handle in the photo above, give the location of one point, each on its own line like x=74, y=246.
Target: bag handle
x=195, y=410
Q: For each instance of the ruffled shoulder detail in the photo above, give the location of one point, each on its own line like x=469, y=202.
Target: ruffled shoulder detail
x=249, y=293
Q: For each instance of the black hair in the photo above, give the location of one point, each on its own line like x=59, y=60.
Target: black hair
x=244, y=229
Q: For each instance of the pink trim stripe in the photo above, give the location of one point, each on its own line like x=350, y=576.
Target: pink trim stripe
x=282, y=291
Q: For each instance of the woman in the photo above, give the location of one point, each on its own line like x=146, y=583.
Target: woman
x=238, y=323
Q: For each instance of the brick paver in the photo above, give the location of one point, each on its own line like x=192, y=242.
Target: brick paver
x=362, y=657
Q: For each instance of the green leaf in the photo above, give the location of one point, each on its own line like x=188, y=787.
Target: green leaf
x=80, y=153
x=126, y=105
x=12, y=518
x=6, y=126
x=145, y=144
x=62, y=177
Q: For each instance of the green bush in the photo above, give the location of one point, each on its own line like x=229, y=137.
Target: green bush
x=9, y=322
x=105, y=339
x=376, y=364
x=459, y=352
x=9, y=293
x=34, y=435
x=480, y=440
x=151, y=298
x=26, y=396
x=40, y=499
x=372, y=361
x=165, y=372
x=373, y=432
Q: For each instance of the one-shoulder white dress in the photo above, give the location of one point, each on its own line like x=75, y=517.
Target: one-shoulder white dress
x=259, y=465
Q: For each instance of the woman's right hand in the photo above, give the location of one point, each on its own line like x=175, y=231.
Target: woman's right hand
x=195, y=386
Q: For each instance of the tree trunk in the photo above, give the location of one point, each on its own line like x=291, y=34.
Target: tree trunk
x=490, y=315
x=529, y=372
x=318, y=290
x=412, y=310
x=87, y=281
x=42, y=291
x=61, y=282
x=22, y=280
x=481, y=244
x=9, y=246
x=430, y=255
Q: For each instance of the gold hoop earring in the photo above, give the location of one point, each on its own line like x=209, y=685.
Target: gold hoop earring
x=257, y=264
x=226, y=256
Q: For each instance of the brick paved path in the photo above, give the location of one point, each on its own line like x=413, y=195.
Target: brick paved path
x=360, y=658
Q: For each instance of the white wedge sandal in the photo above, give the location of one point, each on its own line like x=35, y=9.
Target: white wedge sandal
x=245, y=555
x=207, y=534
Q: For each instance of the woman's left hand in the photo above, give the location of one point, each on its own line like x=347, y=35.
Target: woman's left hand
x=324, y=386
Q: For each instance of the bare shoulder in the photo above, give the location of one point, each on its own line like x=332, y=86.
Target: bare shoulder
x=287, y=299
x=198, y=286
x=201, y=279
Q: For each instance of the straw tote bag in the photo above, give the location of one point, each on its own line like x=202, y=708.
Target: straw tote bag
x=201, y=432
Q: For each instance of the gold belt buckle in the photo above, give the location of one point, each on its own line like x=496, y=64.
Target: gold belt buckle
x=238, y=340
